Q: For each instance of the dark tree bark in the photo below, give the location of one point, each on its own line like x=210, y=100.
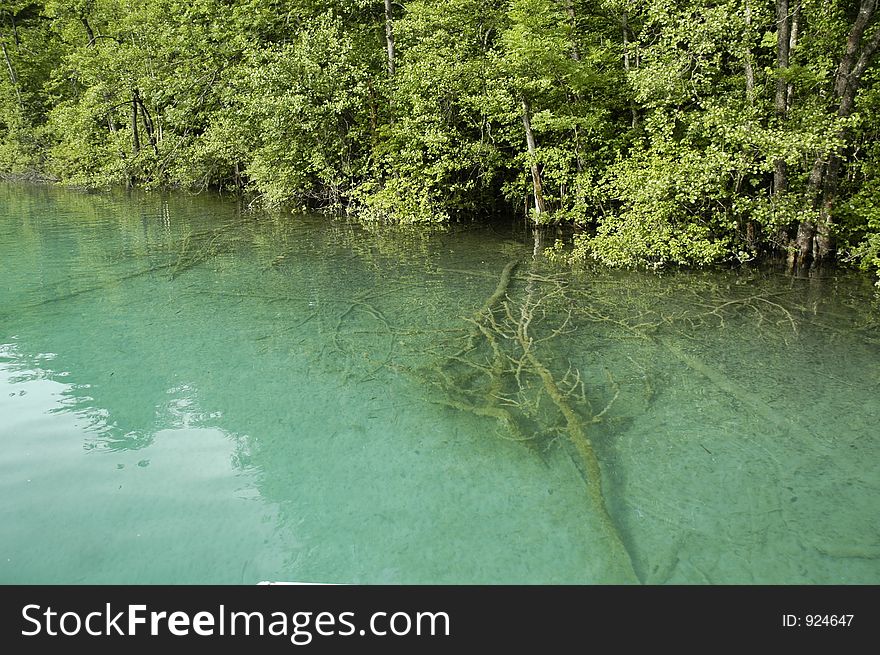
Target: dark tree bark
x=135, y=137
x=88, y=28
x=533, y=162
x=147, y=121
x=15, y=38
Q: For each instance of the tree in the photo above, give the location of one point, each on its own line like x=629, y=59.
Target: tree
x=28, y=54
x=667, y=131
x=815, y=234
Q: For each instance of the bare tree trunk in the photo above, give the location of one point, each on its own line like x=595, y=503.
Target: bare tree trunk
x=148, y=122
x=13, y=78
x=389, y=36
x=533, y=161
x=538, y=249
x=749, y=66
x=823, y=242
x=848, y=61
x=803, y=253
x=135, y=137
x=15, y=38
x=792, y=44
x=569, y=9
x=824, y=245
x=783, y=41
x=627, y=62
x=576, y=56
x=751, y=226
x=88, y=28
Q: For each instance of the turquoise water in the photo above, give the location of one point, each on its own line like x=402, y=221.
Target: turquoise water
x=194, y=393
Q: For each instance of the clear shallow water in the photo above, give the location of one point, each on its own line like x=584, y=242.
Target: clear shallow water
x=193, y=394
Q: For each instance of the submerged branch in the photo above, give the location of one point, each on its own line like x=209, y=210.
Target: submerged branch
x=498, y=374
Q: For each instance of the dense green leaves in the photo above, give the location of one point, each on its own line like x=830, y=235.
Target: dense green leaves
x=655, y=126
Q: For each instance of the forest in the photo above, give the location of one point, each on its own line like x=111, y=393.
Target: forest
x=663, y=132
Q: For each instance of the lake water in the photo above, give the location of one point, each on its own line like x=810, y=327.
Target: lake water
x=194, y=393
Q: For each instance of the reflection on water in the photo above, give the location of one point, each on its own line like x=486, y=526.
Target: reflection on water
x=192, y=393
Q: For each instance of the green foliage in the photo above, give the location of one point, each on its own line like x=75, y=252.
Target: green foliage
x=649, y=135
x=304, y=106
x=863, y=225
x=27, y=55
x=670, y=209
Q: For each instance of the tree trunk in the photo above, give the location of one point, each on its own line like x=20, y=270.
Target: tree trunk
x=575, y=51
x=13, y=78
x=135, y=137
x=88, y=28
x=626, y=63
x=533, y=161
x=148, y=122
x=576, y=56
x=823, y=241
x=844, y=70
x=389, y=36
x=15, y=38
x=749, y=66
x=815, y=241
x=783, y=44
x=538, y=249
x=792, y=44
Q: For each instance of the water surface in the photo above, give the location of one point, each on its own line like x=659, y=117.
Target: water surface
x=194, y=393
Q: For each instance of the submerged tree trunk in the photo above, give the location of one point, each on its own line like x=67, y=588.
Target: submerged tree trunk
x=389, y=36
x=538, y=249
x=533, y=161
